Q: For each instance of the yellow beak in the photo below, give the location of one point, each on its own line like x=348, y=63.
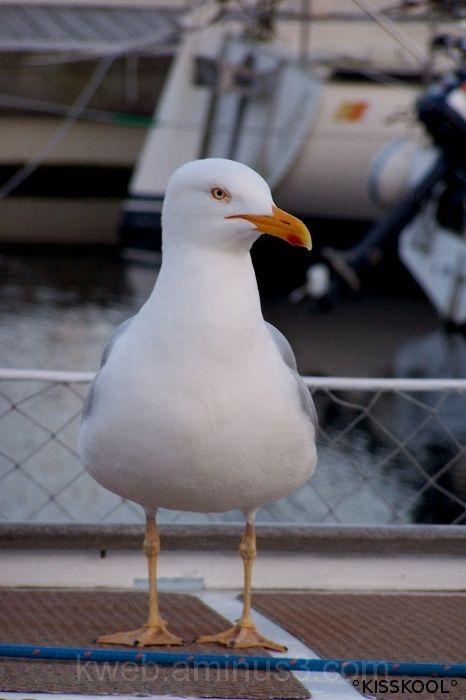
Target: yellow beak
x=280, y=224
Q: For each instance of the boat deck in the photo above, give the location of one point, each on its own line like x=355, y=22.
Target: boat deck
x=388, y=625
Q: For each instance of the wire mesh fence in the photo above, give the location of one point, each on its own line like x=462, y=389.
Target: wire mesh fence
x=390, y=452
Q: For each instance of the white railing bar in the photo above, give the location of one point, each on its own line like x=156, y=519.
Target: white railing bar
x=391, y=384
x=337, y=383
x=46, y=375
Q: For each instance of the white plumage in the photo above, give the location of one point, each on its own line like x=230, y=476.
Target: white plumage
x=198, y=405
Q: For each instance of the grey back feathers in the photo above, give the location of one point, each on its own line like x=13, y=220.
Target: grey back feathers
x=285, y=350
x=117, y=333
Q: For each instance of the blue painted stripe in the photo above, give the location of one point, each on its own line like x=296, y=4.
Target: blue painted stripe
x=366, y=667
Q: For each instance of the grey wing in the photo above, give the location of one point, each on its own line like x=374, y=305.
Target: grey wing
x=116, y=335
x=289, y=359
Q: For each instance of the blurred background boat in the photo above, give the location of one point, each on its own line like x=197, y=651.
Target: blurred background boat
x=333, y=84
x=55, y=75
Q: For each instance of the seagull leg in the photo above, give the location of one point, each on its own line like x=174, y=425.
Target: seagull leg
x=154, y=632
x=243, y=634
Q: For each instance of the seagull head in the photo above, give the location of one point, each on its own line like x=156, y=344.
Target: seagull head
x=224, y=204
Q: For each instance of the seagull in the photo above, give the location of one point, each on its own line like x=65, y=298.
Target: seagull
x=198, y=405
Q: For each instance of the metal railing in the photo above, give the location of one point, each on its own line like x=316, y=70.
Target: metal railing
x=391, y=451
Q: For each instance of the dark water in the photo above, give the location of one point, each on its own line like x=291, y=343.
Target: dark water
x=58, y=307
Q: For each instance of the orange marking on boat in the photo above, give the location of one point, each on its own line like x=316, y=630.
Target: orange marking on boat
x=351, y=111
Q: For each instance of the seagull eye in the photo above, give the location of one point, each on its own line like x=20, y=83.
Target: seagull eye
x=219, y=193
